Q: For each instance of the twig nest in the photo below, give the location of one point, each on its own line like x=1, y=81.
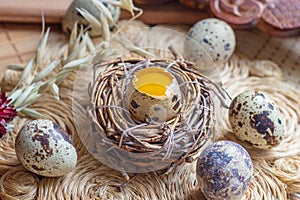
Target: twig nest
x=135, y=146
x=255, y=119
x=44, y=148
x=154, y=94
x=90, y=16
x=224, y=171
x=209, y=37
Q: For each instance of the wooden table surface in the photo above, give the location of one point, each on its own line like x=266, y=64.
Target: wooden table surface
x=18, y=42
x=20, y=23
x=30, y=11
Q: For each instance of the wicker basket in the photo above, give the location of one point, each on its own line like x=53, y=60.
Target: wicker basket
x=261, y=62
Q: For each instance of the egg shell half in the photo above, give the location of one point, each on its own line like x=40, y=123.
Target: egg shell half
x=255, y=119
x=224, y=171
x=44, y=148
x=143, y=106
x=209, y=37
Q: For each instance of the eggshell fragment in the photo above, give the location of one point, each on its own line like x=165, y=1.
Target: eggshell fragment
x=255, y=119
x=224, y=171
x=44, y=148
x=153, y=94
x=209, y=37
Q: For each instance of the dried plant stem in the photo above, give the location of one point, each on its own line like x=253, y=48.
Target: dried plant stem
x=34, y=79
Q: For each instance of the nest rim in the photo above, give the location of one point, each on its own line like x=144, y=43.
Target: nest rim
x=203, y=133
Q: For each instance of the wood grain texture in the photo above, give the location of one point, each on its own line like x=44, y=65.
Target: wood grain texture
x=18, y=42
x=30, y=11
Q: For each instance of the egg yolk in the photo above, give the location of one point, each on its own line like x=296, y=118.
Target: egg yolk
x=153, y=81
x=153, y=89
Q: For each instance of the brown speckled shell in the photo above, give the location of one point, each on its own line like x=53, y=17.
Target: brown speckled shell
x=44, y=148
x=144, y=107
x=224, y=171
x=210, y=37
x=256, y=120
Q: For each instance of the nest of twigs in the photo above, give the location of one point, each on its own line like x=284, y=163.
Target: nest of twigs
x=130, y=146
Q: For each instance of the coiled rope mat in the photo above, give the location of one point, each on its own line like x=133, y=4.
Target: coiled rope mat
x=276, y=172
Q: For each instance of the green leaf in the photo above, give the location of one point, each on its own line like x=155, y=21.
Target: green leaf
x=14, y=95
x=105, y=28
x=46, y=71
x=140, y=51
x=41, y=49
x=103, y=9
x=30, y=99
x=46, y=86
x=26, y=72
x=16, y=67
x=77, y=63
x=31, y=113
x=93, y=21
x=55, y=91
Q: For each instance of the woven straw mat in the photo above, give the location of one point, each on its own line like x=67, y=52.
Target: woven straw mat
x=267, y=64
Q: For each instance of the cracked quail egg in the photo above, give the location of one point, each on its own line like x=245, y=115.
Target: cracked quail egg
x=209, y=37
x=224, y=170
x=255, y=119
x=153, y=94
x=44, y=148
x=79, y=8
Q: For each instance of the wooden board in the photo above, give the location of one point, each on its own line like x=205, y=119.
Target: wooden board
x=32, y=10
x=18, y=41
x=54, y=10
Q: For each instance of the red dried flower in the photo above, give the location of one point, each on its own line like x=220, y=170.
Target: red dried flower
x=7, y=113
x=2, y=128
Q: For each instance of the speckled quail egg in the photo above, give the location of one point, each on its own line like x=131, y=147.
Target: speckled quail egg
x=209, y=37
x=73, y=15
x=224, y=171
x=44, y=148
x=153, y=93
x=255, y=119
